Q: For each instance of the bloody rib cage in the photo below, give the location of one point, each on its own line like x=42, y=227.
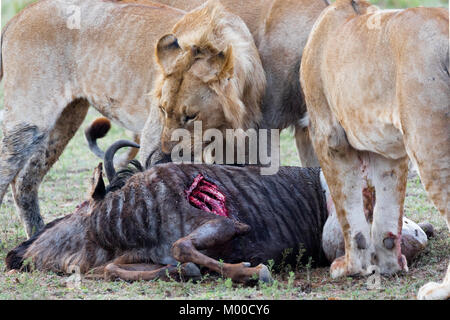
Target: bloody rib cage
x=206, y=196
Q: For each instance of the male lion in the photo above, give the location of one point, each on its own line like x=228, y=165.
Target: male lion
x=213, y=75
x=377, y=88
x=280, y=29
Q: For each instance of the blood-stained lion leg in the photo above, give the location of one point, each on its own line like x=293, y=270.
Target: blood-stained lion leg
x=213, y=233
x=345, y=170
x=389, y=179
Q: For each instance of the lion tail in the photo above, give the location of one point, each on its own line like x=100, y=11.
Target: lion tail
x=97, y=130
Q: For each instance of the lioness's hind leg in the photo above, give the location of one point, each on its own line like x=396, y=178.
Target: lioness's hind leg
x=26, y=184
x=344, y=169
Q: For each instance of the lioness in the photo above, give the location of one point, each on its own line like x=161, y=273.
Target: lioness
x=54, y=68
x=377, y=88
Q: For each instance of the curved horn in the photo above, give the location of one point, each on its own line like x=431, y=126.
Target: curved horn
x=109, y=156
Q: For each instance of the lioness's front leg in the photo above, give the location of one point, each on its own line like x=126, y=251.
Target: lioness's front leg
x=209, y=235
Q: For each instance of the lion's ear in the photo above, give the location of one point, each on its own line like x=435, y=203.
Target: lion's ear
x=214, y=66
x=98, y=190
x=167, y=53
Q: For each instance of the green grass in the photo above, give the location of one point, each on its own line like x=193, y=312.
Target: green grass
x=65, y=186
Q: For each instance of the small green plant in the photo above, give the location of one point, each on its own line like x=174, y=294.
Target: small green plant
x=285, y=268
x=180, y=272
x=27, y=263
x=168, y=276
x=298, y=258
x=221, y=267
x=308, y=269
x=228, y=283
x=270, y=264
x=291, y=279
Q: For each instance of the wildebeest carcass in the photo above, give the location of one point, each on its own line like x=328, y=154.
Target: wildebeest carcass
x=145, y=223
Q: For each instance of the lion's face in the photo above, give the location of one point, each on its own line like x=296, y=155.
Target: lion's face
x=186, y=101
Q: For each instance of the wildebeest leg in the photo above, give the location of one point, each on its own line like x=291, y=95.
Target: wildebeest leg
x=211, y=234
x=305, y=148
x=26, y=184
x=146, y=272
x=389, y=179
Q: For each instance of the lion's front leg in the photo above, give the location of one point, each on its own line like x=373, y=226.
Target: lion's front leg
x=436, y=291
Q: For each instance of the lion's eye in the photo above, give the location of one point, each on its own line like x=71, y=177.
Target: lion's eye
x=189, y=118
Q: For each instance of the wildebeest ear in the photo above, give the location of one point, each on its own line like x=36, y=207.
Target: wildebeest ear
x=167, y=53
x=98, y=190
x=216, y=66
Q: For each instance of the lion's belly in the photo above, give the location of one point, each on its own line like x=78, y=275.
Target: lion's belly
x=131, y=117
x=372, y=128
x=118, y=93
x=363, y=98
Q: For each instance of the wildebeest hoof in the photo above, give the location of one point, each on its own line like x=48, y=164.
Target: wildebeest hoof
x=191, y=270
x=427, y=228
x=110, y=273
x=264, y=275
